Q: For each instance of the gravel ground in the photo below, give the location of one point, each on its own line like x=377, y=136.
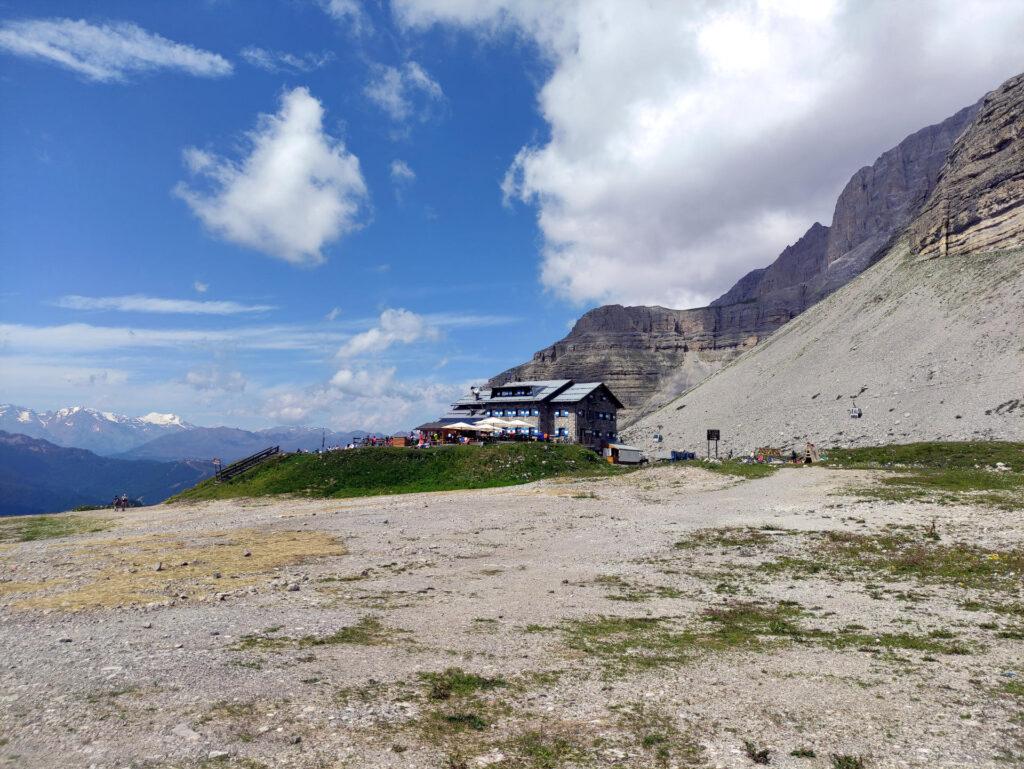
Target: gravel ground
x=235, y=660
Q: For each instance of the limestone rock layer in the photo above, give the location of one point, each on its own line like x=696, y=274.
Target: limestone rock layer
x=978, y=203
x=648, y=355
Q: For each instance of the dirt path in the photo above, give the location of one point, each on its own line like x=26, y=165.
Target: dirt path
x=671, y=617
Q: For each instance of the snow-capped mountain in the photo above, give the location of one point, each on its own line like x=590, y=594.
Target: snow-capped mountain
x=102, y=432
x=159, y=436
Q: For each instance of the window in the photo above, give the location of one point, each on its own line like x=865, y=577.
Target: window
x=535, y=412
x=562, y=432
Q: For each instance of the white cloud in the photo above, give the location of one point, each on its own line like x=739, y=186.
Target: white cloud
x=84, y=337
x=401, y=173
x=349, y=12
x=153, y=304
x=399, y=325
x=363, y=382
x=367, y=399
x=298, y=190
x=201, y=287
x=216, y=379
x=108, y=52
x=282, y=61
x=690, y=142
x=333, y=314
x=404, y=92
x=390, y=327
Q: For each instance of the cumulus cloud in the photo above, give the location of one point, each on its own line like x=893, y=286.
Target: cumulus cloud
x=215, y=379
x=364, y=398
x=404, y=92
x=200, y=287
x=363, y=382
x=282, y=61
x=690, y=143
x=298, y=190
x=393, y=326
x=154, y=304
x=108, y=52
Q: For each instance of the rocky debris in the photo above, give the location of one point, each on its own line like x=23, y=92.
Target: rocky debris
x=924, y=349
x=648, y=355
x=908, y=343
x=176, y=696
x=185, y=732
x=978, y=203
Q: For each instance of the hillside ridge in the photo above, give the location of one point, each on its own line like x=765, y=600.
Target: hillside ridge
x=649, y=354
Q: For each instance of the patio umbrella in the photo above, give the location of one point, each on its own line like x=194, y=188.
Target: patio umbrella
x=518, y=423
x=460, y=426
x=494, y=422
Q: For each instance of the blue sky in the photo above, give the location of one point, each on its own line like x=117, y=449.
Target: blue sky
x=306, y=211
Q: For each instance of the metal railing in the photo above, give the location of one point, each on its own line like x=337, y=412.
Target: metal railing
x=239, y=467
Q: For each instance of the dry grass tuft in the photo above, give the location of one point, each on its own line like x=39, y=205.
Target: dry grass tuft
x=126, y=572
x=15, y=586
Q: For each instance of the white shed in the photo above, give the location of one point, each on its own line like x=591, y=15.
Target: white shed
x=621, y=454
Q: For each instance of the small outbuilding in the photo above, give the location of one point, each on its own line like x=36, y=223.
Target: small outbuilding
x=621, y=454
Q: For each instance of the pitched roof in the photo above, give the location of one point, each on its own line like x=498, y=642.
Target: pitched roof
x=540, y=390
x=581, y=390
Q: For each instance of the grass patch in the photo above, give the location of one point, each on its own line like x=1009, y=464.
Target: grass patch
x=30, y=528
x=847, y=762
x=740, y=469
x=634, y=592
x=455, y=682
x=964, y=455
x=908, y=554
x=942, y=472
x=366, y=632
x=543, y=748
x=125, y=570
x=656, y=733
x=731, y=537
x=374, y=471
x=624, y=645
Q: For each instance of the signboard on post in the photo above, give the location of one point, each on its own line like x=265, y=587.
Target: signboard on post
x=713, y=435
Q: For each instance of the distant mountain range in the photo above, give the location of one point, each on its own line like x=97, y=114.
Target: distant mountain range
x=231, y=443
x=37, y=476
x=100, y=431
x=164, y=437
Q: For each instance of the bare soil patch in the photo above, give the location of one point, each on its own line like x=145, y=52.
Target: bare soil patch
x=669, y=617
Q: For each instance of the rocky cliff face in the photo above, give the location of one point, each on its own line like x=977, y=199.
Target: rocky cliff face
x=648, y=355
x=877, y=204
x=978, y=202
x=926, y=341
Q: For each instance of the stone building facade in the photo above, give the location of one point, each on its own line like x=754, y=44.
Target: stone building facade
x=559, y=410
